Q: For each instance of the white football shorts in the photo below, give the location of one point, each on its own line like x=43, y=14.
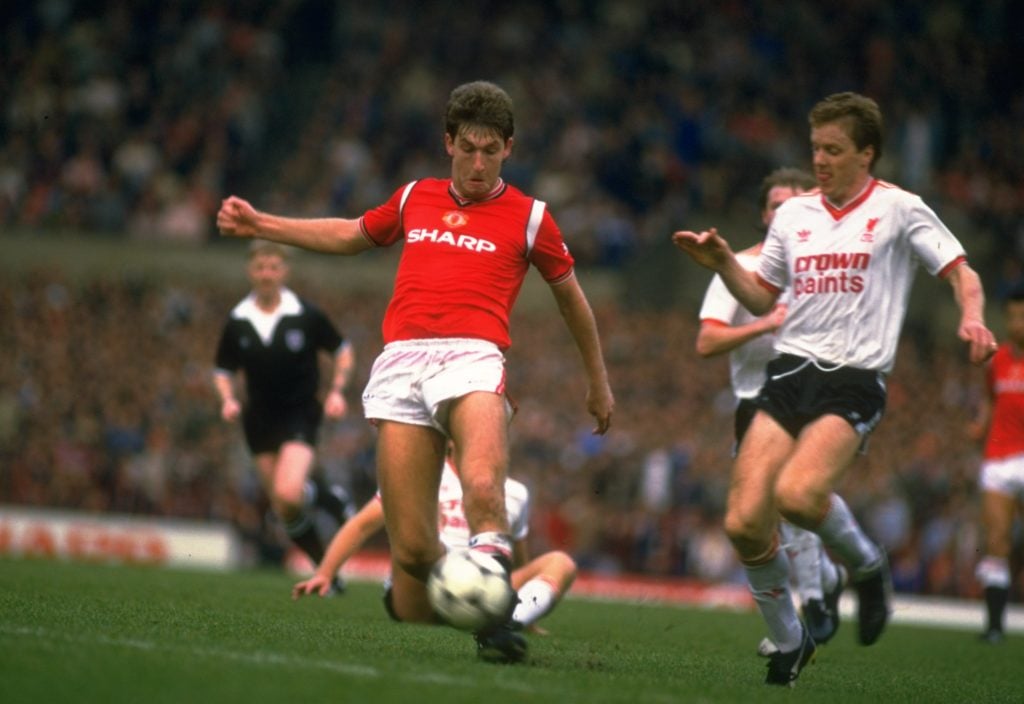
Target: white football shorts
x=414, y=381
x=1004, y=476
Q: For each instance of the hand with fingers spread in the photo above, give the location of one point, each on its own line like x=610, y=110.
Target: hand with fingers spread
x=707, y=248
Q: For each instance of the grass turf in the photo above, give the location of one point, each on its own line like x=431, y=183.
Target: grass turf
x=88, y=633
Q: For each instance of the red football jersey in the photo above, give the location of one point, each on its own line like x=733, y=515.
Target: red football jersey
x=463, y=262
x=1006, y=384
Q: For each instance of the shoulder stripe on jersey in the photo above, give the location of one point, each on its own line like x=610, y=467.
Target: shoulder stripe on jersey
x=405, y=197
x=536, y=216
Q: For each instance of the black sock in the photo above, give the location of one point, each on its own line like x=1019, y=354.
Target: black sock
x=995, y=601
x=334, y=500
x=303, y=533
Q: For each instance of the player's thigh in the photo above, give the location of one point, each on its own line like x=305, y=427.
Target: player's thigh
x=819, y=459
x=478, y=423
x=409, y=461
x=998, y=510
x=765, y=447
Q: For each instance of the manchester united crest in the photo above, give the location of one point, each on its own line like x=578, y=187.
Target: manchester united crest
x=455, y=218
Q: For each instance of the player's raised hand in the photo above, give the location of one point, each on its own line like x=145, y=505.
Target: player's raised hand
x=707, y=248
x=237, y=218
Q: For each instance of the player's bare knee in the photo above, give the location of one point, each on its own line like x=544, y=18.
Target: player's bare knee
x=743, y=532
x=287, y=495
x=565, y=565
x=800, y=505
x=416, y=559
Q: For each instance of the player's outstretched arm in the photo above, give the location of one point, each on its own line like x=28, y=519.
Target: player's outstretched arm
x=238, y=218
x=579, y=318
x=708, y=249
x=970, y=297
x=346, y=542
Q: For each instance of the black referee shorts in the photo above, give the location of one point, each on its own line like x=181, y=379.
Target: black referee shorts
x=798, y=391
x=267, y=429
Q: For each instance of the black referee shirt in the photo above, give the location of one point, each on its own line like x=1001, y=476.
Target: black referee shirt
x=286, y=371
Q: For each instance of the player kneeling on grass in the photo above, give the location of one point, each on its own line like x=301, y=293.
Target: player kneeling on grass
x=539, y=582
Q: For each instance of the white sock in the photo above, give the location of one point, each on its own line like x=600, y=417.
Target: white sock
x=829, y=573
x=769, y=584
x=841, y=532
x=993, y=572
x=536, y=598
x=803, y=548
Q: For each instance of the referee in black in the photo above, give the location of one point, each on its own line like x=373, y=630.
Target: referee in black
x=273, y=336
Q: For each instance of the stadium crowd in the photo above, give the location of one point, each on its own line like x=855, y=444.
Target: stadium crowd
x=633, y=115
x=134, y=120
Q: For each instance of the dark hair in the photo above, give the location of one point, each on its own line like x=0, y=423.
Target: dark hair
x=861, y=115
x=787, y=176
x=479, y=105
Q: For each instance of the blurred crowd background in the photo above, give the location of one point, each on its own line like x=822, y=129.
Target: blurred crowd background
x=129, y=122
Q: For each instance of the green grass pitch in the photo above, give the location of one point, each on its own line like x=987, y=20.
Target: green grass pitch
x=87, y=633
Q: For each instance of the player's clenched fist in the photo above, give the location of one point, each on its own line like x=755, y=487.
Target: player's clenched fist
x=237, y=218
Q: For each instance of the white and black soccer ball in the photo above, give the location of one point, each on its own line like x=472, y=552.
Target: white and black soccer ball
x=470, y=590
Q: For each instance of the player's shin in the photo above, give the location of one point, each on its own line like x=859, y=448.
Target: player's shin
x=840, y=531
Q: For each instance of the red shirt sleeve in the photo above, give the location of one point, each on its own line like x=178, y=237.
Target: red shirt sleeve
x=383, y=225
x=549, y=253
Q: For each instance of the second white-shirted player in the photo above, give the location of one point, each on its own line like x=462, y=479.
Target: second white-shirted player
x=540, y=582
x=846, y=256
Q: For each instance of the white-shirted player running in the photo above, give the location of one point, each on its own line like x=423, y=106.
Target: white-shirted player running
x=728, y=327
x=540, y=582
x=846, y=256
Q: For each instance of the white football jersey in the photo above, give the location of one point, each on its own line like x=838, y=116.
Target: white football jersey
x=746, y=362
x=453, y=526
x=848, y=272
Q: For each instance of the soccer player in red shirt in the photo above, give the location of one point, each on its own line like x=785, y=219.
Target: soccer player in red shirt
x=1000, y=423
x=469, y=241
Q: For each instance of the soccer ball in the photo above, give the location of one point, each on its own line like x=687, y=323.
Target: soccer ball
x=470, y=590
